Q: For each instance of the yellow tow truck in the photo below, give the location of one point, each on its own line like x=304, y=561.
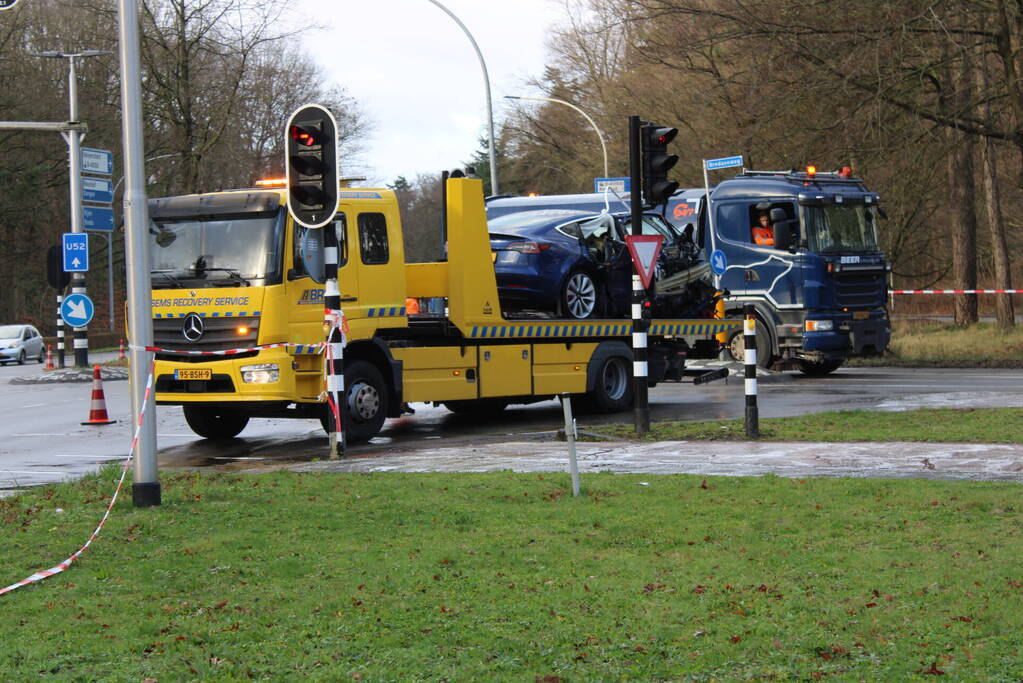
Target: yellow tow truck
x=232, y=272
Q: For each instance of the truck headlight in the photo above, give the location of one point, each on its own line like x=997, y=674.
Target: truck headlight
x=820, y=325
x=264, y=373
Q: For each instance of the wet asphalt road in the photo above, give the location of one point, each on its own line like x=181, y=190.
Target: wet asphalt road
x=42, y=440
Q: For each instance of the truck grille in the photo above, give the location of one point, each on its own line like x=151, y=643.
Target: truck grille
x=220, y=334
x=860, y=290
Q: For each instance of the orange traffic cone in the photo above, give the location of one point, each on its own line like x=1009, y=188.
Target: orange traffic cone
x=120, y=355
x=98, y=407
x=49, y=358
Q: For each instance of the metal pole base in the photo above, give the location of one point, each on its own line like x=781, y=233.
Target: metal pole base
x=145, y=495
x=752, y=423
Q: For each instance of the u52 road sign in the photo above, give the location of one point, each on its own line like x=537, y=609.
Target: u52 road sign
x=76, y=252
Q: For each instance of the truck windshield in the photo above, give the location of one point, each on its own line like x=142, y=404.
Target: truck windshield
x=227, y=251
x=833, y=229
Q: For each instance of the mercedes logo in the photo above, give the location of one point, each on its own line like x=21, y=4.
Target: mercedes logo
x=193, y=328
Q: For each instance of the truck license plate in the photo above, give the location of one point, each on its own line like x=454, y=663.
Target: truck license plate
x=861, y=315
x=193, y=373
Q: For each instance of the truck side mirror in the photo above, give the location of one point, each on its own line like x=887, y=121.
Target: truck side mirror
x=786, y=235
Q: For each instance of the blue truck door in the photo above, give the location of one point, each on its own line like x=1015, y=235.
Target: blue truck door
x=760, y=271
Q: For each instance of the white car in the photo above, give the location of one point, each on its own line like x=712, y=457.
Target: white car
x=18, y=343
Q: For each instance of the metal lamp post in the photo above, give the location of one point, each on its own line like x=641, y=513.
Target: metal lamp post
x=490, y=109
x=600, y=136
x=74, y=142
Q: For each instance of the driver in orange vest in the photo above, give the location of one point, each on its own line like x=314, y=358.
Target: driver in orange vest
x=763, y=232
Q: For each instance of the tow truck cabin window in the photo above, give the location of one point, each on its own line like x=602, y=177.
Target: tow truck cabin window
x=373, y=238
x=307, y=249
x=838, y=228
x=217, y=251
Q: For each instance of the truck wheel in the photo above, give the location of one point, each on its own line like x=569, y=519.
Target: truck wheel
x=367, y=398
x=613, y=390
x=215, y=423
x=821, y=368
x=737, y=346
x=580, y=297
x=484, y=407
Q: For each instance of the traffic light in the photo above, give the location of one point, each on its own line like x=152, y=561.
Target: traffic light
x=310, y=141
x=55, y=274
x=656, y=163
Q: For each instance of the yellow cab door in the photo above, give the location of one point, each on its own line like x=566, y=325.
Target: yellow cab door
x=305, y=292
x=376, y=242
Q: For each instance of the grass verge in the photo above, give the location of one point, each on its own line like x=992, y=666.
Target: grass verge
x=940, y=425
x=917, y=343
x=390, y=576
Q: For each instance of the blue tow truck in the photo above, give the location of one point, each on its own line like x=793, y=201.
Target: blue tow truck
x=819, y=290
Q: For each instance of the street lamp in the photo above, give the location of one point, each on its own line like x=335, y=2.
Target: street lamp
x=74, y=141
x=600, y=136
x=486, y=83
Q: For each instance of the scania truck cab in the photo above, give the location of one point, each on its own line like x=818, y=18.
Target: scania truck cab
x=819, y=289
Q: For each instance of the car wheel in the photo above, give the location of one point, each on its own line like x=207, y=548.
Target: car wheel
x=367, y=398
x=215, y=423
x=819, y=368
x=580, y=297
x=42, y=356
x=484, y=407
x=21, y=357
x=737, y=346
x=613, y=390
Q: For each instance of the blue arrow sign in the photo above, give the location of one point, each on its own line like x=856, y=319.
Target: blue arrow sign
x=723, y=162
x=718, y=262
x=76, y=252
x=98, y=161
x=98, y=218
x=77, y=310
x=99, y=190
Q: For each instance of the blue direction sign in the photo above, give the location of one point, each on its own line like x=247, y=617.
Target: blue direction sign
x=619, y=185
x=723, y=162
x=98, y=161
x=718, y=262
x=98, y=218
x=76, y=252
x=77, y=310
x=8, y=4
x=99, y=190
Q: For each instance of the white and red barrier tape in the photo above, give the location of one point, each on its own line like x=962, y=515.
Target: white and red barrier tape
x=39, y=576
x=955, y=291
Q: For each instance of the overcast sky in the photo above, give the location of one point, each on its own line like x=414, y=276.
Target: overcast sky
x=414, y=72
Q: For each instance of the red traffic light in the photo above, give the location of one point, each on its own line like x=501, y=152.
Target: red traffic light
x=305, y=135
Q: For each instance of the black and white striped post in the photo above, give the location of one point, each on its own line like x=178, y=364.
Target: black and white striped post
x=60, y=331
x=334, y=356
x=80, y=335
x=749, y=340
x=639, y=358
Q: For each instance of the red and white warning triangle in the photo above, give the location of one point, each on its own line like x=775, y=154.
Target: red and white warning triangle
x=644, y=250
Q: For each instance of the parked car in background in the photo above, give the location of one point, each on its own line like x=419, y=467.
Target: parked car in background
x=575, y=264
x=18, y=343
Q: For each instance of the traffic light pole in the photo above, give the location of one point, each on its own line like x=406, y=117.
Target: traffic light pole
x=74, y=142
x=639, y=337
x=146, y=481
